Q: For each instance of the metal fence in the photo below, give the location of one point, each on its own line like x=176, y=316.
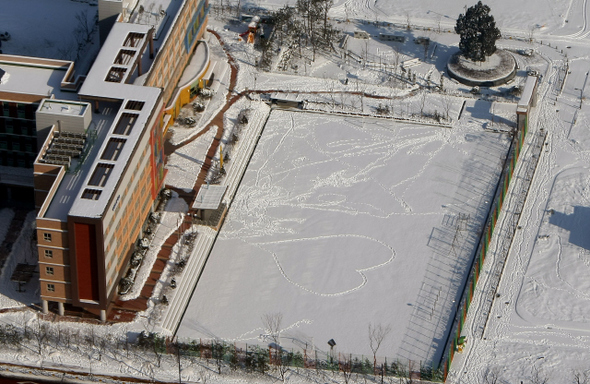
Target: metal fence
x=455, y=341
x=257, y=358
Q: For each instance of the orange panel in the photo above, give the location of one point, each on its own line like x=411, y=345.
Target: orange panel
x=86, y=261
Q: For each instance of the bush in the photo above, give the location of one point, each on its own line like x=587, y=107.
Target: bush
x=151, y=341
x=9, y=335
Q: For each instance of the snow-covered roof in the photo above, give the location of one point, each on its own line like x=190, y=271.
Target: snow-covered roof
x=117, y=59
x=63, y=107
x=31, y=76
x=527, y=94
x=285, y=96
x=197, y=64
x=72, y=183
x=129, y=122
x=209, y=196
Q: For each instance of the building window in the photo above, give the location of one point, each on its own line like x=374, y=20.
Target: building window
x=133, y=39
x=134, y=105
x=21, y=111
x=49, y=270
x=50, y=287
x=49, y=253
x=113, y=149
x=92, y=194
x=47, y=237
x=101, y=174
x=116, y=74
x=125, y=123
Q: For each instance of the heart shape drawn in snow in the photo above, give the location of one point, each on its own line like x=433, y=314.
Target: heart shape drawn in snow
x=331, y=265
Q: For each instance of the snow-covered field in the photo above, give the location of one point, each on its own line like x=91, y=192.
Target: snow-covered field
x=341, y=222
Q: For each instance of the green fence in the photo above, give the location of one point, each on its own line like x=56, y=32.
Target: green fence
x=455, y=339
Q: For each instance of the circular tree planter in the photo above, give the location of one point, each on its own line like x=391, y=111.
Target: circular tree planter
x=496, y=70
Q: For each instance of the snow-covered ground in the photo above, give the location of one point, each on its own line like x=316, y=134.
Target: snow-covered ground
x=539, y=324
x=389, y=177
x=340, y=222
x=64, y=29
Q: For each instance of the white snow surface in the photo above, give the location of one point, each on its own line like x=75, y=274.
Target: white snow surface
x=37, y=28
x=185, y=163
x=539, y=324
x=340, y=222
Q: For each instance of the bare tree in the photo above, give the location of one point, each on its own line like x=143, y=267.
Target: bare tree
x=377, y=333
x=408, y=21
x=330, y=88
x=365, y=51
x=531, y=33
x=581, y=377
x=346, y=368
x=396, y=58
x=491, y=376
x=40, y=335
x=447, y=104
x=84, y=26
x=422, y=102
x=272, y=324
x=360, y=89
x=538, y=376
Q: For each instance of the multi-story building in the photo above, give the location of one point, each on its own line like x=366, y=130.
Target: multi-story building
x=24, y=83
x=97, y=150
x=97, y=199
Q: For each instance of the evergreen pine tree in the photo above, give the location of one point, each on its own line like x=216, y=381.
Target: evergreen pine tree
x=478, y=32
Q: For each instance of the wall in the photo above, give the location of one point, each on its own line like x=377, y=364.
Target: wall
x=59, y=260
x=175, y=54
x=132, y=202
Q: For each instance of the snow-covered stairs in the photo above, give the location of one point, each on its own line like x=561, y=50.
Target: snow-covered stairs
x=188, y=280
x=242, y=152
x=206, y=235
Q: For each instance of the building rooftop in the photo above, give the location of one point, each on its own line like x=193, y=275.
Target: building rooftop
x=527, y=94
x=137, y=106
x=209, y=196
x=40, y=78
x=63, y=107
x=72, y=183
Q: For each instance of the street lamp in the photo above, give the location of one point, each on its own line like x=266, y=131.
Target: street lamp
x=331, y=343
